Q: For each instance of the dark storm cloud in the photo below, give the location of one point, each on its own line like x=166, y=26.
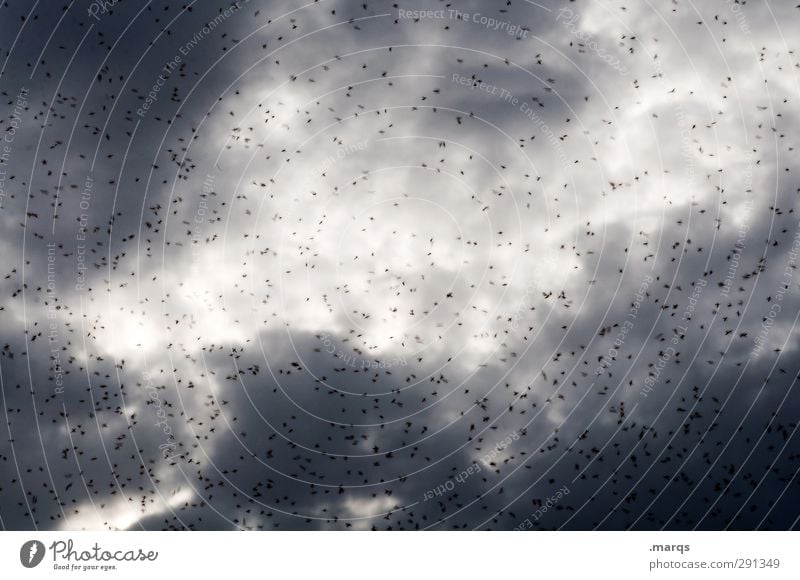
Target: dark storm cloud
x=347, y=267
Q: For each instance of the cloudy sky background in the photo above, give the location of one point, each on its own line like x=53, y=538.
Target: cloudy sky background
x=340, y=256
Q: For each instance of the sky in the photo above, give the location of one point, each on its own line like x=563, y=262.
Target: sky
x=399, y=266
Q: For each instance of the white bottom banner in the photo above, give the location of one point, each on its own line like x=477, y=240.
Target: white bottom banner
x=353, y=555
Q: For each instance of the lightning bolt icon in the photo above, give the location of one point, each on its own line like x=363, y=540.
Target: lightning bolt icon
x=32, y=553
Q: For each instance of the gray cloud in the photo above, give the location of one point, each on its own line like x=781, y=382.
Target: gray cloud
x=311, y=266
